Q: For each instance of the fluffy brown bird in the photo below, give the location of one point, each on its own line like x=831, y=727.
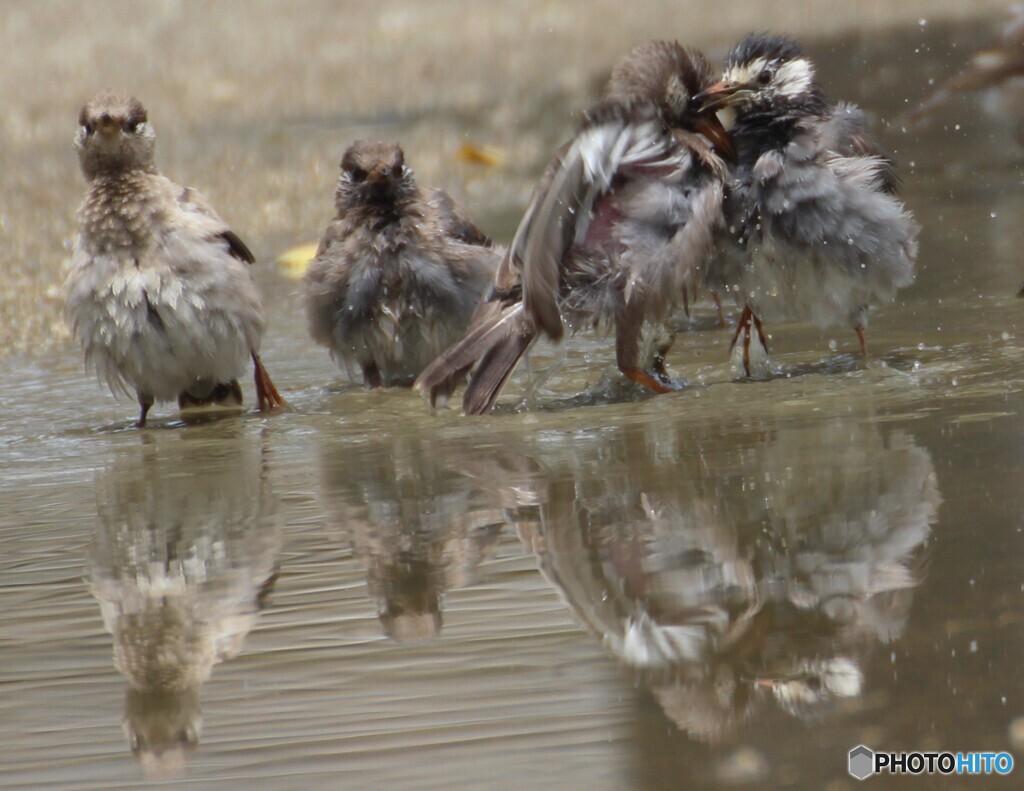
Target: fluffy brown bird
x=160, y=293
x=619, y=227
x=398, y=271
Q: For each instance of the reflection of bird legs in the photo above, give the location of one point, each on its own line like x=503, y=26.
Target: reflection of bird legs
x=747, y=323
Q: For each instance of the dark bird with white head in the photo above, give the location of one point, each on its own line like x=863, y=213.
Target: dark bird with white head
x=814, y=228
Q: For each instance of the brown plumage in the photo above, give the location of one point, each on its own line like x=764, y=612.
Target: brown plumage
x=619, y=225
x=398, y=272
x=160, y=294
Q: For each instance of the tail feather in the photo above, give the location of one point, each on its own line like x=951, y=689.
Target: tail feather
x=494, y=369
x=498, y=337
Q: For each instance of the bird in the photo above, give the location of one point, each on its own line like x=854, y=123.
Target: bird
x=997, y=70
x=160, y=293
x=398, y=271
x=814, y=230
x=619, y=225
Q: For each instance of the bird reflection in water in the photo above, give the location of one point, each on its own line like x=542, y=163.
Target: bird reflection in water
x=182, y=560
x=417, y=518
x=763, y=571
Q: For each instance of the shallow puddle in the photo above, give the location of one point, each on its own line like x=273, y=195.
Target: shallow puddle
x=592, y=588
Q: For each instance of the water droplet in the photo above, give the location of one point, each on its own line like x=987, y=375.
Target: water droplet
x=922, y=21
x=955, y=382
x=992, y=215
x=973, y=648
x=832, y=345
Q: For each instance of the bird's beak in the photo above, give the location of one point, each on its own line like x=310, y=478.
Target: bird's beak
x=709, y=125
x=722, y=94
x=107, y=126
x=378, y=176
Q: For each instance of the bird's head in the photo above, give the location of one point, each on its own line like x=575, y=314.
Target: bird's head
x=114, y=135
x=373, y=173
x=769, y=77
x=671, y=76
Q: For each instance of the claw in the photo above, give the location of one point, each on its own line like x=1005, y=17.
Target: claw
x=747, y=324
x=655, y=381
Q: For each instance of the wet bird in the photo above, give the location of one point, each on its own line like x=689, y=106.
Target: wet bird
x=997, y=71
x=398, y=272
x=618, y=228
x=814, y=228
x=160, y=293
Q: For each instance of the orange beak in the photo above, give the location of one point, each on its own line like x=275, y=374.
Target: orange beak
x=707, y=124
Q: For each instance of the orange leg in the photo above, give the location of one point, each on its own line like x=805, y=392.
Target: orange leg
x=863, y=341
x=747, y=324
x=267, y=397
x=652, y=382
x=627, y=341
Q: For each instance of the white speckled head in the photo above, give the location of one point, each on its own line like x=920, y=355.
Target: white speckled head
x=769, y=75
x=114, y=136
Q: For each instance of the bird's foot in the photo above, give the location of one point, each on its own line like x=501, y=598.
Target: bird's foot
x=267, y=397
x=655, y=380
x=749, y=346
x=145, y=402
x=861, y=336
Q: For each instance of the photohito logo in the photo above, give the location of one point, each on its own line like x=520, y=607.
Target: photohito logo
x=864, y=762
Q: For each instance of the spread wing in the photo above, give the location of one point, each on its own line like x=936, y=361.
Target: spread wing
x=616, y=140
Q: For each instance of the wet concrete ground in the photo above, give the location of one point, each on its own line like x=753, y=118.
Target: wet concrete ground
x=730, y=585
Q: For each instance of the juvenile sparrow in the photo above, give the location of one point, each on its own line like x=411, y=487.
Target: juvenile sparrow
x=160, y=293
x=814, y=229
x=398, y=271
x=619, y=226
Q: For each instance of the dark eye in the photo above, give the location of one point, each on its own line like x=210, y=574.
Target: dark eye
x=357, y=174
x=764, y=77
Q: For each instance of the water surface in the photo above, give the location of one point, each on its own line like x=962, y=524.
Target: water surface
x=592, y=588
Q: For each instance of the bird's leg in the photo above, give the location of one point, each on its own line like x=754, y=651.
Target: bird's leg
x=371, y=376
x=718, y=306
x=267, y=396
x=746, y=325
x=862, y=337
x=145, y=402
x=627, y=353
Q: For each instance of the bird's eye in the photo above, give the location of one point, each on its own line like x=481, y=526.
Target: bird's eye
x=764, y=77
x=88, y=129
x=131, y=127
x=357, y=174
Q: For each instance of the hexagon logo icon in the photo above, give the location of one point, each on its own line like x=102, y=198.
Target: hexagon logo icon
x=862, y=762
